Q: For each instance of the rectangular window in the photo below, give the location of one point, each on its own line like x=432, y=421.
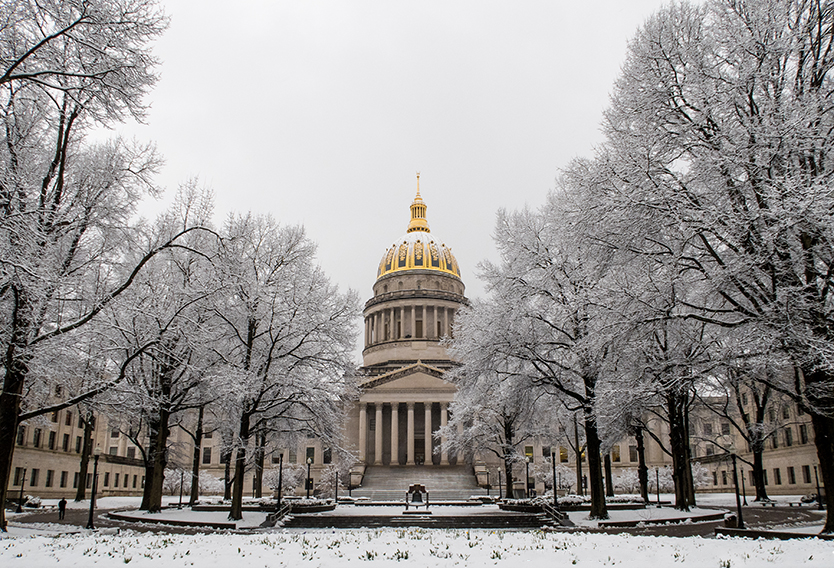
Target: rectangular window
x=114, y=433
x=632, y=454
x=789, y=436
x=21, y=435
x=126, y=476
x=311, y=455
x=799, y=411
x=64, y=477
x=207, y=436
x=135, y=477
x=791, y=476
x=777, y=476
x=107, y=479
x=78, y=444
x=372, y=424
x=68, y=418
x=707, y=428
x=563, y=455
x=80, y=421
x=723, y=478
x=49, y=475
x=786, y=412
x=18, y=475
x=806, y=474
x=33, y=478
x=276, y=457
x=715, y=478
x=207, y=455
x=52, y=436
x=418, y=329
x=113, y=451
x=710, y=450
x=89, y=480
x=327, y=456
x=803, y=433
x=75, y=479
x=545, y=451
x=774, y=440
x=615, y=453
x=54, y=417
x=116, y=480
x=36, y=438
x=528, y=452
x=744, y=399
x=292, y=456
x=725, y=428
x=131, y=453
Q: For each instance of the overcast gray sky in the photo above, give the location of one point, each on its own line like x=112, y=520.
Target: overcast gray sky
x=321, y=112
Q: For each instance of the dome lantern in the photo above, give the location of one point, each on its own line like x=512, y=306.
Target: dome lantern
x=418, y=212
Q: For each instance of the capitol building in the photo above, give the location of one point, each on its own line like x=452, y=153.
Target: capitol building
x=404, y=398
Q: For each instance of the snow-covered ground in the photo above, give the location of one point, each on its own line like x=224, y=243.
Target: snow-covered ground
x=33, y=546
x=416, y=547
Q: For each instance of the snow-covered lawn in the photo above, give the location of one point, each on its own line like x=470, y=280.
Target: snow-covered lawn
x=415, y=547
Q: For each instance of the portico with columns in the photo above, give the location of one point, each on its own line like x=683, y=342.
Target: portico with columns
x=398, y=415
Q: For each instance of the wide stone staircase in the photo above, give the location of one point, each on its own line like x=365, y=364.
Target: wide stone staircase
x=444, y=483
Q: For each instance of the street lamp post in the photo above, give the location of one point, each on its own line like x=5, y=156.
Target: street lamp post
x=657, y=484
x=182, y=479
x=819, y=495
x=527, y=476
x=487, y=472
x=96, y=454
x=280, y=479
x=553, y=463
x=23, y=483
x=309, y=480
x=743, y=490
x=500, y=488
x=336, y=488
x=738, y=498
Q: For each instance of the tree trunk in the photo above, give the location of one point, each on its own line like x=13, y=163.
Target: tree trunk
x=592, y=445
x=159, y=451
x=227, y=470
x=236, y=512
x=150, y=460
x=642, y=470
x=86, y=451
x=758, y=468
x=16, y=367
x=195, y=461
x=609, y=479
x=678, y=447
x=819, y=400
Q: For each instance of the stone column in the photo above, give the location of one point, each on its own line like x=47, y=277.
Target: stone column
x=395, y=433
x=433, y=330
x=363, y=432
x=444, y=420
x=410, y=433
x=445, y=321
x=428, y=432
x=367, y=331
x=378, y=435
x=413, y=322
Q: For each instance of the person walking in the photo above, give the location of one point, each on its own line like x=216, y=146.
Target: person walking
x=62, y=509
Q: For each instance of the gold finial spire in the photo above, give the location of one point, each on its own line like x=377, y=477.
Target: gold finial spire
x=418, y=212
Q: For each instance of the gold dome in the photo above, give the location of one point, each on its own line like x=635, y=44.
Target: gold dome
x=418, y=249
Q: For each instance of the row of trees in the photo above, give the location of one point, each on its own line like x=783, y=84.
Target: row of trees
x=693, y=254
x=98, y=307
